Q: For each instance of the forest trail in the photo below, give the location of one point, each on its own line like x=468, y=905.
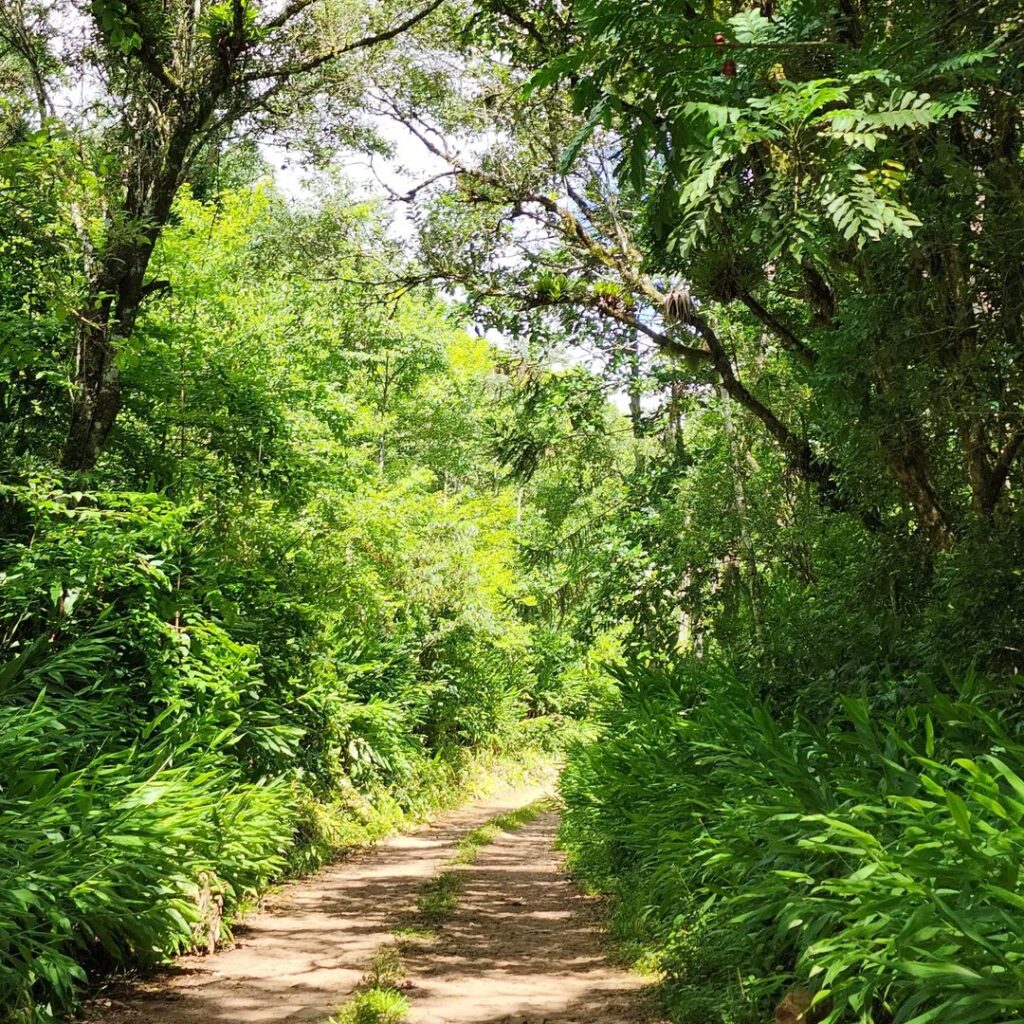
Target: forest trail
x=523, y=945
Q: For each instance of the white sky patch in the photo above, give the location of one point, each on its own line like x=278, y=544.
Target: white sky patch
x=372, y=176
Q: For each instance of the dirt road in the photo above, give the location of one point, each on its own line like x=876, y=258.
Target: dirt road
x=522, y=947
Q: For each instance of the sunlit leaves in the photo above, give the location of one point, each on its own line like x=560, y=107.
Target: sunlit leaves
x=858, y=858
x=297, y=595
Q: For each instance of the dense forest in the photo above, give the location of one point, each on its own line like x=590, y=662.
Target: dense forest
x=392, y=393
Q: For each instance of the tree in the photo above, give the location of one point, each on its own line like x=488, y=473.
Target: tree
x=173, y=79
x=544, y=242
x=842, y=156
x=800, y=193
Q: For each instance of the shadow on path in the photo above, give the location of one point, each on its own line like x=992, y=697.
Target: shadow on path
x=524, y=946
x=299, y=959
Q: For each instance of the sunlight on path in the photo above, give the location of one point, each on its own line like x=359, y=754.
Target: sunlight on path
x=297, y=961
x=523, y=947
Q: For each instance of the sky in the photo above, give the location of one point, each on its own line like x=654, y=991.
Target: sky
x=409, y=164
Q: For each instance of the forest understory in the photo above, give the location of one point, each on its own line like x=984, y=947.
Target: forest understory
x=396, y=399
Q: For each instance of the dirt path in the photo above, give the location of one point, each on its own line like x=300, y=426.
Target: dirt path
x=523, y=947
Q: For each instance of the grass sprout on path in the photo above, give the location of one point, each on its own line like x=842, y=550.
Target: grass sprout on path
x=473, y=842
x=439, y=899
x=374, y=1006
x=379, y=1001
x=441, y=896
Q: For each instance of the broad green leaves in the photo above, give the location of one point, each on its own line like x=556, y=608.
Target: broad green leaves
x=847, y=850
x=811, y=148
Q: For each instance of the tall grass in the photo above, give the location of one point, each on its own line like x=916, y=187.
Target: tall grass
x=106, y=845
x=874, y=859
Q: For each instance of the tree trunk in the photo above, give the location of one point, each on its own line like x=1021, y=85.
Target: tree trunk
x=96, y=401
x=908, y=466
x=749, y=554
x=115, y=296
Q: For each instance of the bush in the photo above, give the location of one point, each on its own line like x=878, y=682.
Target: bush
x=874, y=859
x=107, y=846
x=151, y=762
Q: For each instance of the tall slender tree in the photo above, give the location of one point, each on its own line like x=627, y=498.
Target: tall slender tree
x=163, y=81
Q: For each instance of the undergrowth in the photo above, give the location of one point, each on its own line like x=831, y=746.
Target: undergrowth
x=874, y=859
x=127, y=817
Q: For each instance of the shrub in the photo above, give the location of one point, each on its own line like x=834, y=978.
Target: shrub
x=875, y=858
x=153, y=758
x=106, y=846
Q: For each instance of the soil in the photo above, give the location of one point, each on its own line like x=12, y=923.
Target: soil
x=524, y=946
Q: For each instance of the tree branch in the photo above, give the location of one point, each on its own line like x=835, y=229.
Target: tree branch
x=623, y=261
x=286, y=72
x=802, y=458
x=525, y=24
x=148, y=56
x=802, y=351
x=1001, y=470
x=291, y=10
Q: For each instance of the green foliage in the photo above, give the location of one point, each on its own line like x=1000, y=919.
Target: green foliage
x=333, y=550
x=272, y=625
x=874, y=859
x=37, y=278
x=374, y=1006
x=655, y=73
x=120, y=803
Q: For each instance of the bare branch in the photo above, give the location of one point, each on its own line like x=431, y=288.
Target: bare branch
x=408, y=197
x=290, y=11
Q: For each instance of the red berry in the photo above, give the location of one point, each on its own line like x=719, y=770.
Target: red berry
x=719, y=39
x=729, y=68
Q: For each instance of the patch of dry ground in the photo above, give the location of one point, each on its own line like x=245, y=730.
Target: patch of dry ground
x=523, y=946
